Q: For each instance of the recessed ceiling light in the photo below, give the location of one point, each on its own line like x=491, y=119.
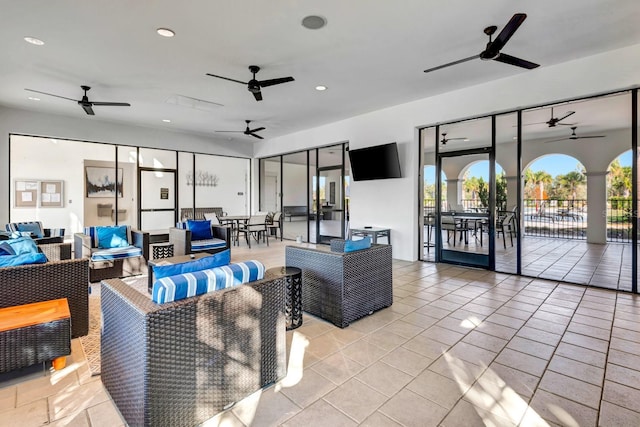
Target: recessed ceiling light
x=321, y=88
x=33, y=98
x=466, y=140
x=166, y=120
x=34, y=41
x=515, y=137
x=314, y=22
x=165, y=32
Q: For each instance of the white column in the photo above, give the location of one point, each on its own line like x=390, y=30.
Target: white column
x=597, y=207
x=512, y=191
x=453, y=198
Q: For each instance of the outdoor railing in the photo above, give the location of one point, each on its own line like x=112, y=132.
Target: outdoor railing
x=566, y=219
x=619, y=220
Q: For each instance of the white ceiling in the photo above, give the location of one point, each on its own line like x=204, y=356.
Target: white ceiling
x=371, y=54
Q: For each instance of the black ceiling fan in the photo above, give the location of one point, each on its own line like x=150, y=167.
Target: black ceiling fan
x=254, y=85
x=247, y=131
x=554, y=121
x=573, y=136
x=492, y=50
x=84, y=102
x=444, y=139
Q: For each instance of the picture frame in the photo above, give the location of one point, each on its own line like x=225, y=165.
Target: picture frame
x=101, y=182
x=51, y=194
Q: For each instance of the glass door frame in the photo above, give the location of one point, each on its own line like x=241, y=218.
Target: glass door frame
x=319, y=210
x=175, y=193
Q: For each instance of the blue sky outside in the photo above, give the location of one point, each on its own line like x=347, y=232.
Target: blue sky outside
x=555, y=164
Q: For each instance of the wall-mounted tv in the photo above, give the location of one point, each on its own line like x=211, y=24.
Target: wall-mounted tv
x=377, y=162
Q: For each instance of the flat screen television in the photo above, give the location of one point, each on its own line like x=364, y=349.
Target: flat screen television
x=376, y=162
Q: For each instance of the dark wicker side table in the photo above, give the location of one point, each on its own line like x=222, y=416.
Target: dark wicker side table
x=293, y=308
x=35, y=333
x=162, y=250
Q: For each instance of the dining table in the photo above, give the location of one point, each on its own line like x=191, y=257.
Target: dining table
x=234, y=221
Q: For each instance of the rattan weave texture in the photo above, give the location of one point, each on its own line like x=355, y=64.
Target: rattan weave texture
x=181, y=363
x=34, y=344
x=53, y=280
x=343, y=287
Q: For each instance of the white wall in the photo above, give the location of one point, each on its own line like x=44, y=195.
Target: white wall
x=89, y=128
x=393, y=203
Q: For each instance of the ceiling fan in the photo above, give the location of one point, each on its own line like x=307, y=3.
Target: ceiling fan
x=553, y=121
x=247, y=131
x=254, y=85
x=574, y=136
x=492, y=51
x=444, y=139
x=84, y=102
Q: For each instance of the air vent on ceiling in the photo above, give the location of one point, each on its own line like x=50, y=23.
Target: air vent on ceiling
x=198, y=104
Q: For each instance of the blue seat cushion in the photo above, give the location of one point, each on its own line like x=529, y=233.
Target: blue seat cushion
x=31, y=227
x=112, y=237
x=180, y=286
x=6, y=249
x=23, y=245
x=216, y=260
x=116, y=253
x=203, y=245
x=200, y=229
x=356, y=245
x=22, y=259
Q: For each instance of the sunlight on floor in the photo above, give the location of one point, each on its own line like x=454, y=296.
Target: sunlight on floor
x=299, y=343
x=498, y=401
x=470, y=322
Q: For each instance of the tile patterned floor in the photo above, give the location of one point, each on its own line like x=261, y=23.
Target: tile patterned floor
x=459, y=347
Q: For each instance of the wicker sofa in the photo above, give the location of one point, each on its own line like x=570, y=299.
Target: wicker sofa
x=52, y=280
x=181, y=363
x=343, y=287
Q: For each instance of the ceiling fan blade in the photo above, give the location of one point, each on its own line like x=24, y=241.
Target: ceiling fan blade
x=559, y=139
x=227, y=78
x=111, y=104
x=271, y=82
x=565, y=116
x=50, y=94
x=512, y=60
x=255, y=136
x=590, y=136
x=460, y=61
x=257, y=129
x=257, y=96
x=230, y=131
x=506, y=33
x=87, y=109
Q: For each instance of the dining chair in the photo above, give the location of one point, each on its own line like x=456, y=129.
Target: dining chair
x=255, y=227
x=275, y=224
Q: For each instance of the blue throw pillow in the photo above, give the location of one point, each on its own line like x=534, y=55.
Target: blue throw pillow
x=32, y=228
x=6, y=249
x=22, y=259
x=23, y=245
x=112, y=237
x=216, y=260
x=356, y=245
x=200, y=229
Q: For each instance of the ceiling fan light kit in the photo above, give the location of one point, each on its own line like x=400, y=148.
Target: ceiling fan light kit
x=493, y=47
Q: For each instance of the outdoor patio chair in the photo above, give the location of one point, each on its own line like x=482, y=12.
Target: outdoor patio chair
x=506, y=224
x=255, y=227
x=275, y=224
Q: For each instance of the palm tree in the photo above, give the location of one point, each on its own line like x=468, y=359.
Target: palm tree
x=571, y=182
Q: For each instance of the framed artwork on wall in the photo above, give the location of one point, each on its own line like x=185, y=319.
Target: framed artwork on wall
x=51, y=194
x=101, y=181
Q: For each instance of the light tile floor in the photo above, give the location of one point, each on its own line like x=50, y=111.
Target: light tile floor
x=459, y=347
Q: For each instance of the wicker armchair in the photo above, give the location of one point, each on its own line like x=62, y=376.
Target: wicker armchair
x=52, y=280
x=181, y=363
x=343, y=287
x=183, y=244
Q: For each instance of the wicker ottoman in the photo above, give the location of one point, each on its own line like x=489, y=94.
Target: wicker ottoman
x=35, y=333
